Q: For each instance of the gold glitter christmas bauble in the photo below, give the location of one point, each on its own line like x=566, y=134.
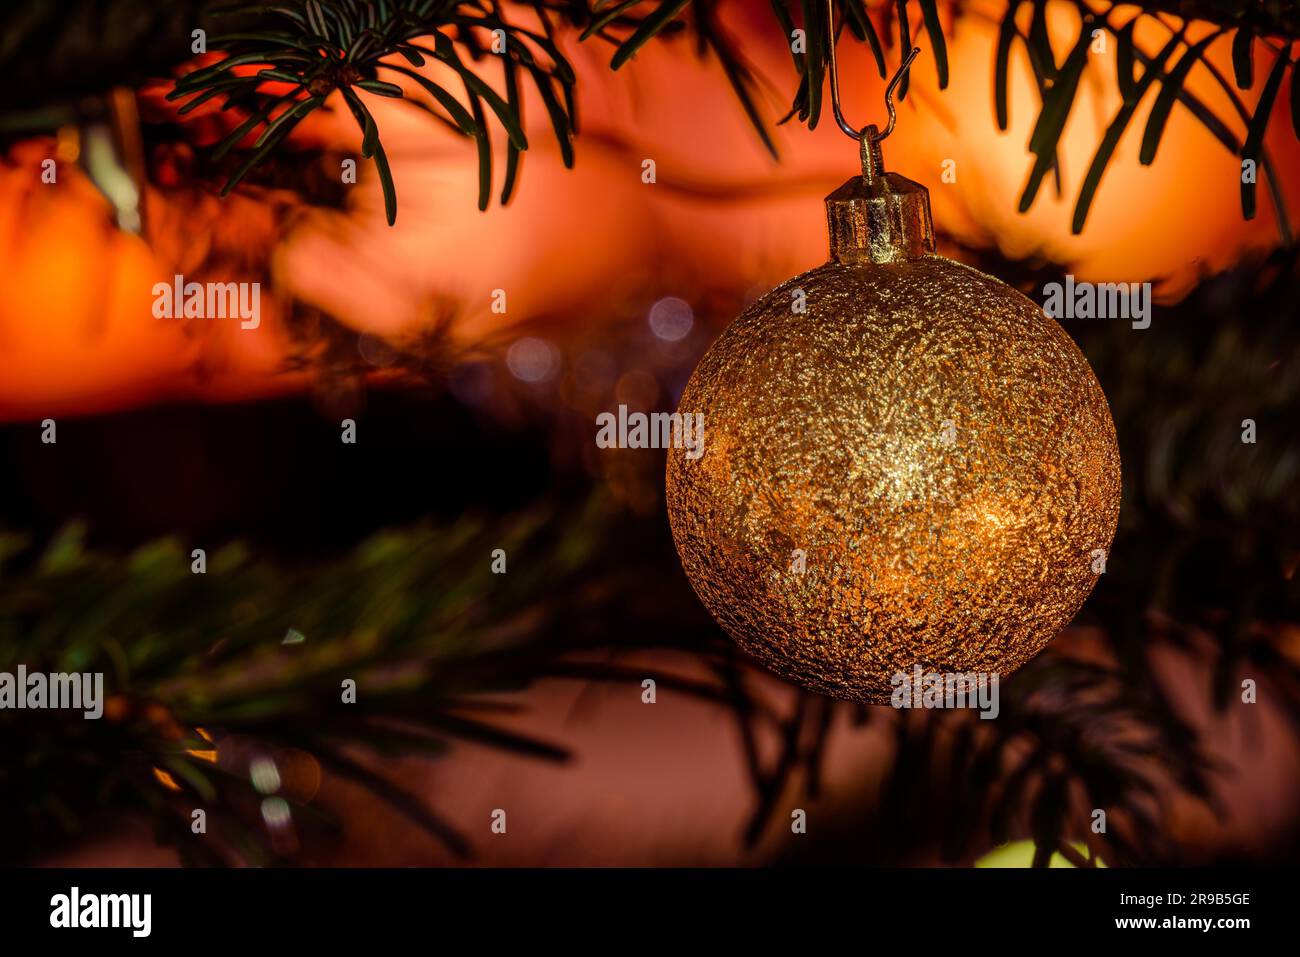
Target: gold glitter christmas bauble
x=905, y=462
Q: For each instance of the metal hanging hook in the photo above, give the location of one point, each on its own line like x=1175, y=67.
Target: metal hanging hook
x=844, y=124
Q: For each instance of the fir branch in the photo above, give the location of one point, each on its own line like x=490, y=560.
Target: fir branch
x=319, y=46
x=322, y=46
x=414, y=616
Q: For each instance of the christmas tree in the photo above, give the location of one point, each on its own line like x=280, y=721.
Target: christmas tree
x=335, y=525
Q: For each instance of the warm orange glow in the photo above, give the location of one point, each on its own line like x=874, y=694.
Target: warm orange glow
x=76, y=324
x=209, y=756
x=77, y=333
x=1171, y=221
x=166, y=780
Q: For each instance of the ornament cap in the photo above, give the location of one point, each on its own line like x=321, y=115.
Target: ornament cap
x=879, y=217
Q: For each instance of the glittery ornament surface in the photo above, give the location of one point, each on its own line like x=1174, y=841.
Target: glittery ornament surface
x=920, y=468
